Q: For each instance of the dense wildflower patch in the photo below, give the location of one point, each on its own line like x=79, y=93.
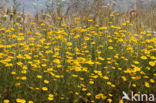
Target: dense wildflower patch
x=91, y=63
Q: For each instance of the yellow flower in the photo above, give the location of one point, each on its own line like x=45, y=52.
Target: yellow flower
x=39, y=76
x=21, y=34
x=20, y=100
x=143, y=57
x=100, y=96
x=50, y=98
x=6, y=101
x=152, y=63
x=57, y=61
x=109, y=100
x=147, y=84
x=100, y=58
x=51, y=95
x=29, y=32
x=19, y=56
x=59, y=18
x=136, y=62
x=92, y=43
x=19, y=63
x=148, y=68
x=113, y=85
x=46, y=81
x=20, y=38
x=134, y=85
x=44, y=65
x=18, y=84
x=103, y=28
x=91, y=82
x=81, y=78
x=23, y=78
x=88, y=94
x=110, y=40
x=121, y=101
x=124, y=78
x=109, y=83
x=74, y=75
x=13, y=73
x=76, y=93
x=110, y=95
x=30, y=102
x=76, y=36
x=37, y=88
x=136, y=69
x=152, y=80
x=44, y=88
x=97, y=97
x=24, y=71
x=110, y=47
x=90, y=62
x=86, y=38
x=42, y=24
x=84, y=89
x=105, y=77
x=69, y=44
x=57, y=76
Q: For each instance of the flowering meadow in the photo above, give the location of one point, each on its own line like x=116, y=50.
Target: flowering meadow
x=82, y=63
